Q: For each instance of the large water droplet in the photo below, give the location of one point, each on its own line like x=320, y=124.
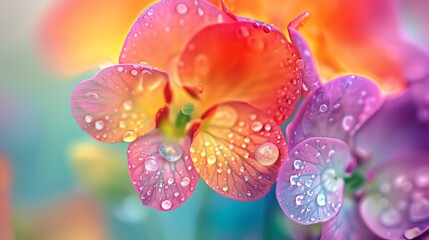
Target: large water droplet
x=88, y=118
x=297, y=164
x=211, y=159
x=151, y=164
x=99, y=125
x=321, y=199
x=171, y=151
x=129, y=136
x=298, y=199
x=348, y=122
x=419, y=210
x=390, y=217
x=166, y=204
x=267, y=154
x=181, y=8
x=323, y=108
x=185, y=181
x=256, y=126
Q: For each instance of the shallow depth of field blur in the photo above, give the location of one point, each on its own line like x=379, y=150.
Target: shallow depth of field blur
x=62, y=184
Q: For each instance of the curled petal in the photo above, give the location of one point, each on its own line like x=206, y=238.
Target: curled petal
x=337, y=109
x=238, y=150
x=161, y=32
x=310, y=182
x=161, y=171
x=120, y=103
x=244, y=61
x=397, y=204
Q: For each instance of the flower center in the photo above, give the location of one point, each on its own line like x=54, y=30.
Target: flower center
x=178, y=129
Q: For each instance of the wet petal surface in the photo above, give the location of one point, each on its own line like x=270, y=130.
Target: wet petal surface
x=337, y=109
x=397, y=205
x=161, y=32
x=120, y=103
x=243, y=61
x=310, y=182
x=162, y=171
x=238, y=151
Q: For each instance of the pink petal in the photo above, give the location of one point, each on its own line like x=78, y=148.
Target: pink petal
x=337, y=109
x=161, y=32
x=238, y=150
x=244, y=61
x=120, y=103
x=397, y=204
x=161, y=171
x=310, y=182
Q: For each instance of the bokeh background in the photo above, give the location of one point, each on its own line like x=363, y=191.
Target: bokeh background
x=56, y=182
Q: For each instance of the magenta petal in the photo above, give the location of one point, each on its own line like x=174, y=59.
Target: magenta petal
x=310, y=79
x=120, y=103
x=347, y=224
x=397, y=205
x=310, y=183
x=161, y=32
x=337, y=109
x=161, y=171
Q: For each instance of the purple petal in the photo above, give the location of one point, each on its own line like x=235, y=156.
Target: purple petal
x=337, y=109
x=393, y=130
x=398, y=203
x=347, y=224
x=310, y=183
x=162, y=171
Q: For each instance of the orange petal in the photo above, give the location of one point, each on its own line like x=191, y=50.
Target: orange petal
x=244, y=61
x=238, y=151
x=161, y=32
x=121, y=102
x=78, y=35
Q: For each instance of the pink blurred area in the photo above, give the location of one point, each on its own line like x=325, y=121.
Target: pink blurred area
x=6, y=229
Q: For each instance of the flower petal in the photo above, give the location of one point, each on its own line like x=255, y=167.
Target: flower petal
x=120, y=103
x=398, y=205
x=161, y=171
x=244, y=61
x=310, y=79
x=310, y=182
x=335, y=110
x=347, y=224
x=161, y=32
x=72, y=33
x=6, y=228
x=238, y=150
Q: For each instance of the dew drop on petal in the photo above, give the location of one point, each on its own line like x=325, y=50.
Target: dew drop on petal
x=348, y=122
x=128, y=105
x=211, y=159
x=249, y=193
x=298, y=199
x=170, y=180
x=321, y=199
x=256, y=126
x=294, y=179
x=267, y=154
x=297, y=164
x=171, y=151
x=299, y=63
x=88, y=118
x=185, y=181
x=151, y=164
x=308, y=182
x=99, y=125
x=323, y=108
x=225, y=188
x=166, y=204
x=266, y=29
x=129, y=136
x=390, y=217
x=181, y=8
x=200, y=12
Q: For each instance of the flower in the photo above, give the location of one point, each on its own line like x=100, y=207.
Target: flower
x=204, y=62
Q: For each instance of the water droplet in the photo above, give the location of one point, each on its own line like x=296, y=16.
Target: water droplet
x=294, y=179
x=176, y=194
x=166, y=204
x=308, y=182
x=321, y=199
x=242, y=32
x=246, y=178
x=120, y=69
x=256, y=44
x=150, y=12
x=348, y=122
x=129, y=136
x=267, y=154
x=200, y=12
x=298, y=199
x=267, y=127
x=185, y=181
x=88, y=118
x=419, y=210
x=211, y=159
x=323, y=108
x=181, y=8
x=225, y=188
x=299, y=63
x=128, y=105
x=266, y=29
x=99, y=125
x=249, y=193
x=390, y=217
x=151, y=164
x=170, y=180
x=412, y=233
x=297, y=164
x=256, y=126
x=171, y=151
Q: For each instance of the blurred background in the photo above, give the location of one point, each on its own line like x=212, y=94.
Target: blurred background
x=56, y=182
